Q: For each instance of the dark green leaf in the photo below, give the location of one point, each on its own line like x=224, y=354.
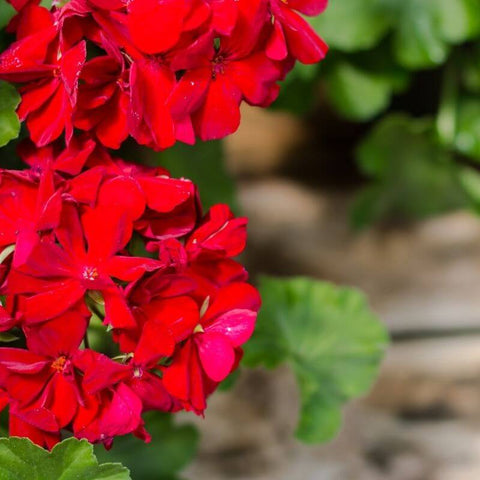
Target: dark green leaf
x=470, y=59
x=9, y=122
x=298, y=92
x=356, y=93
x=412, y=176
x=172, y=448
x=70, y=460
x=328, y=336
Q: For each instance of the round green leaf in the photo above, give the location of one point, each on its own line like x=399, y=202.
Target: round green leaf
x=330, y=339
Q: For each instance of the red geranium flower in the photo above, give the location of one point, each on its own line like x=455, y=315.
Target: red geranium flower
x=67, y=271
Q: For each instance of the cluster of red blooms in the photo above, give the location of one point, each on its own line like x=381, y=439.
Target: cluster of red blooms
x=158, y=70
x=83, y=233
x=90, y=241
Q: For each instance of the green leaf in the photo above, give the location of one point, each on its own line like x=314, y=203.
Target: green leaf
x=351, y=25
x=356, y=93
x=6, y=13
x=425, y=29
x=70, y=460
x=171, y=449
x=9, y=122
x=467, y=137
x=203, y=163
x=412, y=176
x=330, y=339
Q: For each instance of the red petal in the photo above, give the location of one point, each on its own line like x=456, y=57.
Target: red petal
x=123, y=193
x=19, y=428
x=63, y=402
x=60, y=336
x=107, y=231
x=236, y=325
x=32, y=20
x=189, y=93
x=277, y=44
x=309, y=7
x=100, y=372
x=180, y=315
x=70, y=233
x=165, y=194
x=123, y=415
x=35, y=96
x=117, y=311
x=131, y=268
x=176, y=377
x=22, y=361
x=71, y=64
x=233, y=297
x=23, y=60
x=151, y=390
x=53, y=303
x=47, y=123
x=150, y=119
x=155, y=342
x=113, y=129
x=254, y=76
x=220, y=114
x=156, y=25
x=303, y=42
x=221, y=234
x=216, y=354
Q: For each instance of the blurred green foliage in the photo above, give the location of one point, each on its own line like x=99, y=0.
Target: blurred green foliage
x=417, y=58
x=412, y=175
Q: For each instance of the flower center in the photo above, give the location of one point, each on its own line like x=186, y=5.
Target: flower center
x=59, y=363
x=138, y=372
x=90, y=273
x=218, y=66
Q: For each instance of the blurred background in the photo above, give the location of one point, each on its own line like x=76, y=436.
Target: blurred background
x=366, y=173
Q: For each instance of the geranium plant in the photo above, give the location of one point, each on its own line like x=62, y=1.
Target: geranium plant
x=120, y=294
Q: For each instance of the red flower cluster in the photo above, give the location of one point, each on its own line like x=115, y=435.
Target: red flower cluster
x=158, y=70
x=94, y=249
